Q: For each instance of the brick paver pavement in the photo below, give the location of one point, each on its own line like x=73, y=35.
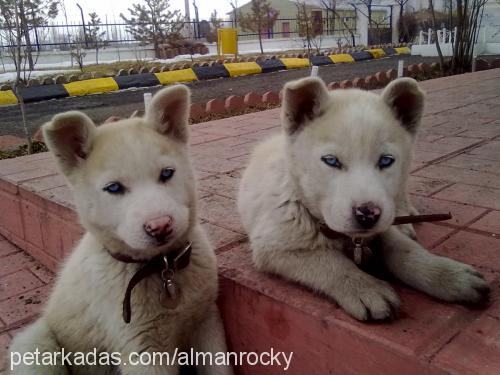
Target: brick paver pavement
x=456, y=169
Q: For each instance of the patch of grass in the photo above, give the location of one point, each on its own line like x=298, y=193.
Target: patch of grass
x=421, y=76
x=22, y=150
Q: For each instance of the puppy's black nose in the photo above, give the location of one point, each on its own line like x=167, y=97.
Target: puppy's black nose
x=367, y=214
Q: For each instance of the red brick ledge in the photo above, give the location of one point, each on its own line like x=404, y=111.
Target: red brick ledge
x=262, y=311
x=37, y=213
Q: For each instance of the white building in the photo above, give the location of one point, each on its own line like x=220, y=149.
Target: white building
x=416, y=5
x=489, y=35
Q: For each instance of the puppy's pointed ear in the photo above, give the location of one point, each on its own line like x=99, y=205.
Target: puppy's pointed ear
x=168, y=112
x=69, y=136
x=406, y=100
x=303, y=101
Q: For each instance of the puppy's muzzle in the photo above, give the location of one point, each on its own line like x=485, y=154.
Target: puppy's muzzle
x=367, y=214
x=159, y=228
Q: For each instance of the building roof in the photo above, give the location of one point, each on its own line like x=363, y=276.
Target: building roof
x=308, y=2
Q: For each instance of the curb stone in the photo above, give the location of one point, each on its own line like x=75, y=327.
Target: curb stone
x=187, y=72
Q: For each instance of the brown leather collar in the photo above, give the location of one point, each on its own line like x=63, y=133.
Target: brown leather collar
x=399, y=220
x=165, y=265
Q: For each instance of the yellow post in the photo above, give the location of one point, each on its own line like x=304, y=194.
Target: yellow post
x=227, y=41
x=219, y=41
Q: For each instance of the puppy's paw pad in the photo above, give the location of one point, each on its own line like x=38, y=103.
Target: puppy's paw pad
x=463, y=283
x=378, y=302
x=475, y=280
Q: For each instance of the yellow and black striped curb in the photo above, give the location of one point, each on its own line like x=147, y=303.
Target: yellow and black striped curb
x=198, y=73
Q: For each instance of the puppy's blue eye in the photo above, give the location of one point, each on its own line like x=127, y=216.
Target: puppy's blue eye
x=166, y=174
x=385, y=161
x=114, y=188
x=332, y=161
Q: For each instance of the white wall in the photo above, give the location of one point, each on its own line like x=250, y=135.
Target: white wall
x=424, y=4
x=56, y=58
x=62, y=59
x=431, y=50
x=282, y=44
x=395, y=25
x=362, y=28
x=490, y=26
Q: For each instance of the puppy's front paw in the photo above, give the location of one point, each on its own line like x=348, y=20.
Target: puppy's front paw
x=458, y=282
x=369, y=299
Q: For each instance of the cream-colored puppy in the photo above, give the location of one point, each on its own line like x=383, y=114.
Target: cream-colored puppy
x=135, y=194
x=343, y=159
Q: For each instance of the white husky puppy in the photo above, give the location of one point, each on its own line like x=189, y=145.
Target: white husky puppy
x=343, y=159
x=135, y=194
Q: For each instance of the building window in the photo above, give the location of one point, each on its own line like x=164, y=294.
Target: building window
x=285, y=29
x=317, y=24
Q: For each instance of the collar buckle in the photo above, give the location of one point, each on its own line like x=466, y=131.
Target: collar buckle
x=361, y=251
x=166, y=266
x=358, y=249
x=169, y=286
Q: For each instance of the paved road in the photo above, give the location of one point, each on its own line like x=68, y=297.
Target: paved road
x=123, y=103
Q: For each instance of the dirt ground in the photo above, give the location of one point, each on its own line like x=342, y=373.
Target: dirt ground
x=122, y=103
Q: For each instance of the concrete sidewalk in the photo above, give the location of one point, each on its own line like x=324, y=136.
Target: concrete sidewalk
x=456, y=169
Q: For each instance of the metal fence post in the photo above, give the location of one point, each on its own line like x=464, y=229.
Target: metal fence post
x=83, y=25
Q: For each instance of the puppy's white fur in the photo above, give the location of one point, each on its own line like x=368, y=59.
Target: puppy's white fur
x=287, y=189
x=84, y=310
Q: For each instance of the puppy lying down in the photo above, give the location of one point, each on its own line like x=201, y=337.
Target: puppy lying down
x=342, y=161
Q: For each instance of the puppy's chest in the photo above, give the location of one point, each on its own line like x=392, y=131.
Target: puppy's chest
x=168, y=322
x=193, y=294
x=367, y=254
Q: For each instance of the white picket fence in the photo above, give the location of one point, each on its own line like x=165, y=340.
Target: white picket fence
x=426, y=45
x=444, y=36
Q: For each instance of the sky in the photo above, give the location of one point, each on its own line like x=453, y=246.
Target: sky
x=113, y=8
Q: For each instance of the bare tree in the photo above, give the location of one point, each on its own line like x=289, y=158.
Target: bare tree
x=1, y=58
x=153, y=22
x=214, y=25
x=469, y=17
x=15, y=34
x=331, y=6
x=310, y=34
x=401, y=24
x=30, y=14
x=408, y=27
x=11, y=31
x=261, y=18
x=78, y=51
x=436, y=39
x=369, y=10
x=468, y=23
x=373, y=24
x=234, y=10
x=215, y=20
x=96, y=36
x=65, y=14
